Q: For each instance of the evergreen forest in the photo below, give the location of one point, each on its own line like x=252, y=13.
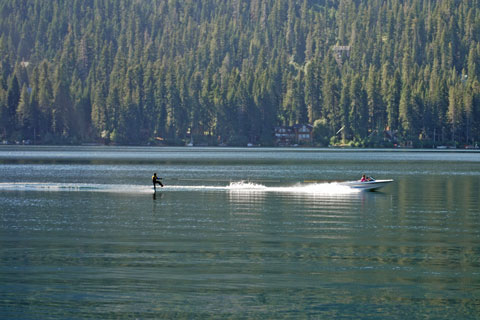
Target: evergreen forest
x=374, y=73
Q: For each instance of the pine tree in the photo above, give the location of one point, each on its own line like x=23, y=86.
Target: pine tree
x=62, y=115
x=313, y=86
x=376, y=110
x=44, y=96
x=454, y=110
x=358, y=115
x=393, y=101
x=99, y=116
x=13, y=98
x=344, y=106
x=26, y=114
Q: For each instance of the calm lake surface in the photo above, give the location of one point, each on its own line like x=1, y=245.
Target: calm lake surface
x=238, y=233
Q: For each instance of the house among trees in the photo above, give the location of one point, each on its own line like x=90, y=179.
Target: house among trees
x=284, y=136
x=303, y=133
x=298, y=134
x=340, y=53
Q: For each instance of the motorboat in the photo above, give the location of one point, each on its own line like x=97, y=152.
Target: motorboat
x=369, y=185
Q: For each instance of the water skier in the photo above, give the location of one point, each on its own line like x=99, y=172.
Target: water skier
x=156, y=180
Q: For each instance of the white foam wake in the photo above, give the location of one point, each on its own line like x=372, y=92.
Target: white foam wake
x=237, y=187
x=316, y=188
x=245, y=185
x=65, y=187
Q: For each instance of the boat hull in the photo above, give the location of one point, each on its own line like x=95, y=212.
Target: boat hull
x=369, y=185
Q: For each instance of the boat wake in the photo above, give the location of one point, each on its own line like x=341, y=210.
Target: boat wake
x=315, y=188
x=236, y=187
x=71, y=187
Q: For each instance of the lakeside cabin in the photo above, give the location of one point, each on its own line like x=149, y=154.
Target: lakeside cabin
x=286, y=136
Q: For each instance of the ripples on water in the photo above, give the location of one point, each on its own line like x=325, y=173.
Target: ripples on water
x=88, y=239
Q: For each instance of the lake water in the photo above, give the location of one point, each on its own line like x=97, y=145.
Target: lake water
x=238, y=233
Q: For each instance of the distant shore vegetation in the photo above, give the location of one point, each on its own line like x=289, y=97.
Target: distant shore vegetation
x=360, y=73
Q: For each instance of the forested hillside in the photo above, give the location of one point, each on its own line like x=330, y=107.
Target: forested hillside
x=373, y=72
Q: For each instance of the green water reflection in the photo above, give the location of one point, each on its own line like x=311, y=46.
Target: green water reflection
x=409, y=252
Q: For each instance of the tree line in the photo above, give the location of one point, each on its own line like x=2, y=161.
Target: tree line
x=364, y=72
